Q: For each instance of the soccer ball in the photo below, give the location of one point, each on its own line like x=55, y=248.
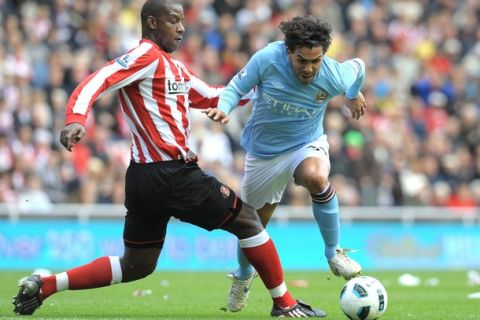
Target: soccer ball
x=363, y=298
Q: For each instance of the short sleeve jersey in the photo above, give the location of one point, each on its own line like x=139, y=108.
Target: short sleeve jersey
x=288, y=113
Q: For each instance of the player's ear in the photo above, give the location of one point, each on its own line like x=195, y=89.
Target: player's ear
x=152, y=22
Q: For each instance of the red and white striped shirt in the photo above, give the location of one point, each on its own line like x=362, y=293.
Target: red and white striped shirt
x=155, y=93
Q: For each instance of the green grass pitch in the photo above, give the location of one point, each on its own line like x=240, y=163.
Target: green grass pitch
x=201, y=295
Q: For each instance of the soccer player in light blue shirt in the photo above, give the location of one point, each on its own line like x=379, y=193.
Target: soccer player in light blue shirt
x=284, y=136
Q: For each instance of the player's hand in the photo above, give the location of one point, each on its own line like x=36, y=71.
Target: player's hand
x=357, y=106
x=216, y=115
x=71, y=134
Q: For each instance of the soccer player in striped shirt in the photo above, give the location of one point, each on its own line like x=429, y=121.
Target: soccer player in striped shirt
x=284, y=136
x=163, y=178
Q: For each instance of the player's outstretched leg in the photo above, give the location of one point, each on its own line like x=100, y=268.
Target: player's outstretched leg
x=28, y=298
x=34, y=289
x=100, y=272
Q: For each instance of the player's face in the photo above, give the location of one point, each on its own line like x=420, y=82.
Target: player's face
x=169, y=31
x=306, y=62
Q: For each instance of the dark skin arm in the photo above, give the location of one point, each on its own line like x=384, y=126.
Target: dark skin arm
x=71, y=134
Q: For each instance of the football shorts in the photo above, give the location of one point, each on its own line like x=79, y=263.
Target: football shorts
x=265, y=180
x=154, y=192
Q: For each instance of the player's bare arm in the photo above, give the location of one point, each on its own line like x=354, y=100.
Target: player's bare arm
x=216, y=115
x=71, y=134
x=357, y=106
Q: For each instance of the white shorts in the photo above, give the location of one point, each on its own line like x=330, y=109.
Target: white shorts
x=265, y=180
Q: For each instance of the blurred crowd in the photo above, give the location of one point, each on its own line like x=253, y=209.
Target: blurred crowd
x=418, y=144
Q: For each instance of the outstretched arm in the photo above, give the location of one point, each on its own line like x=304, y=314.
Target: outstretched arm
x=229, y=97
x=113, y=75
x=241, y=85
x=353, y=72
x=202, y=95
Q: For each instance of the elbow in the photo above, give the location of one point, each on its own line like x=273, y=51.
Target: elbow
x=361, y=66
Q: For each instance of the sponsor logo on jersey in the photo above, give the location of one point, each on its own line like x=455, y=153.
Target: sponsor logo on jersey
x=242, y=74
x=281, y=107
x=225, y=191
x=124, y=61
x=176, y=87
x=321, y=96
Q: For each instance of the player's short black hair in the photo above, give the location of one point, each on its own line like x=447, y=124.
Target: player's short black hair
x=155, y=8
x=306, y=32
x=152, y=8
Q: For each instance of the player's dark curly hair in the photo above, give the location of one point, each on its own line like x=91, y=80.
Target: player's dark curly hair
x=306, y=32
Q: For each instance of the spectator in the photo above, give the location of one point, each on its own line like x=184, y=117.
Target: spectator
x=423, y=87
x=33, y=198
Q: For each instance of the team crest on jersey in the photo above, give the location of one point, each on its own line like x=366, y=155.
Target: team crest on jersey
x=242, y=74
x=225, y=191
x=321, y=96
x=278, y=85
x=124, y=61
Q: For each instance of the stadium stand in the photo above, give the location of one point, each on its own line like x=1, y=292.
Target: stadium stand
x=417, y=145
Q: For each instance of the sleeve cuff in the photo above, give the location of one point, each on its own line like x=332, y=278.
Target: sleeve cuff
x=225, y=109
x=75, y=117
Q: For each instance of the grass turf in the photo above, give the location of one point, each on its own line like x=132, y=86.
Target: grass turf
x=185, y=295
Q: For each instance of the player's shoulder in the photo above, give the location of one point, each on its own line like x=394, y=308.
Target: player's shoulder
x=272, y=53
x=330, y=62
x=143, y=54
x=330, y=68
x=276, y=46
x=146, y=49
x=335, y=67
x=333, y=63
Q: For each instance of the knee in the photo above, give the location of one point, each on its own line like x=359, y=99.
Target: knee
x=134, y=270
x=250, y=219
x=312, y=174
x=246, y=224
x=316, y=181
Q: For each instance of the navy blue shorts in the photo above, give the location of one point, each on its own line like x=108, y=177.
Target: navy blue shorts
x=154, y=192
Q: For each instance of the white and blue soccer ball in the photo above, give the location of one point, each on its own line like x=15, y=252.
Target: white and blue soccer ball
x=363, y=298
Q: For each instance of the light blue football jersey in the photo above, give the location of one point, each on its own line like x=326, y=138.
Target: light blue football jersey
x=287, y=114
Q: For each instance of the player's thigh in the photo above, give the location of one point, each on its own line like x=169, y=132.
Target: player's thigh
x=204, y=201
x=144, y=229
x=143, y=237
x=145, y=193
x=264, y=180
x=312, y=161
